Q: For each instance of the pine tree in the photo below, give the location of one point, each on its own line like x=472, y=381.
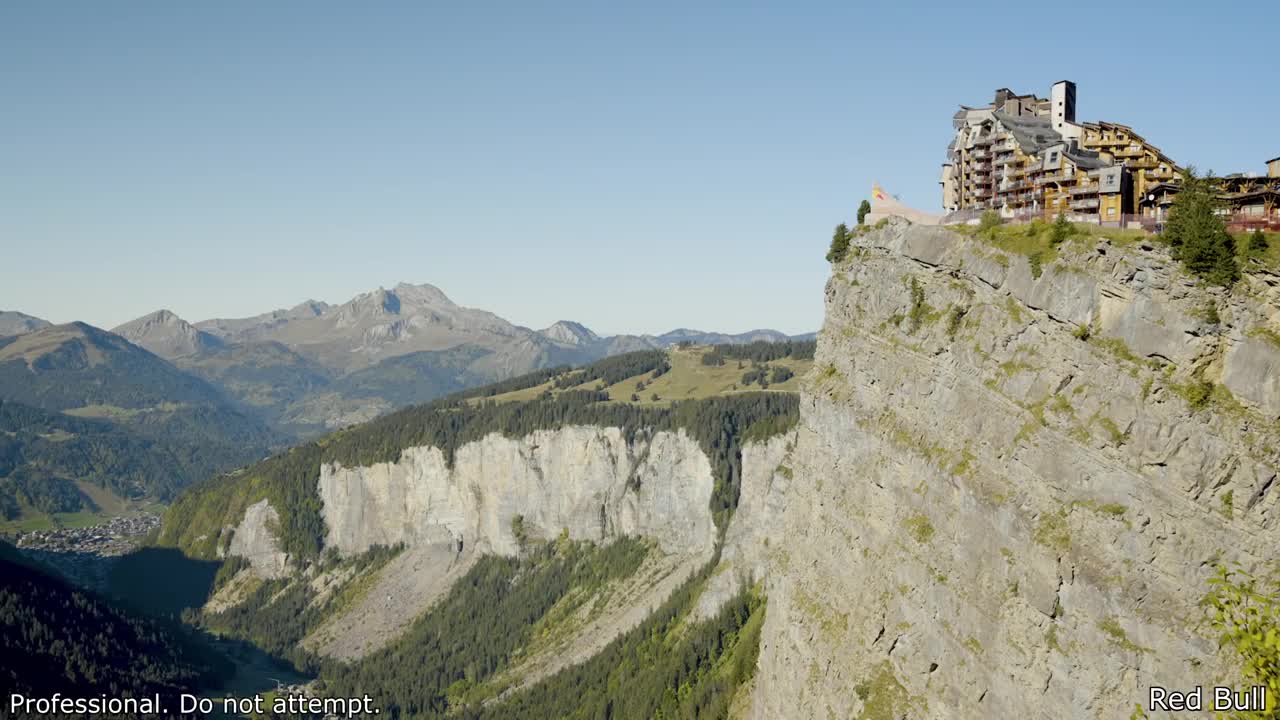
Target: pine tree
x=1061, y=230
x=1197, y=234
x=863, y=209
x=839, y=244
x=1258, y=242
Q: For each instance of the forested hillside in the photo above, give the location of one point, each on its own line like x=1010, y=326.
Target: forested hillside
x=450, y=663
x=83, y=404
x=55, y=638
x=43, y=454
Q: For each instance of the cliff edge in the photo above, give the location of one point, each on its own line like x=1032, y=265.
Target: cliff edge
x=1012, y=478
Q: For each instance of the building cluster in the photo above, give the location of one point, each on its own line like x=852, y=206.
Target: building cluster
x=117, y=536
x=1025, y=156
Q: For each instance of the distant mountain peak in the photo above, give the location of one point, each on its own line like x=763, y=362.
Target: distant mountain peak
x=567, y=332
x=167, y=335
x=423, y=294
x=13, y=322
x=308, y=307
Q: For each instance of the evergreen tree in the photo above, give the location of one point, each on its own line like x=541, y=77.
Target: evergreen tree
x=839, y=244
x=1197, y=234
x=1258, y=242
x=863, y=209
x=1061, y=230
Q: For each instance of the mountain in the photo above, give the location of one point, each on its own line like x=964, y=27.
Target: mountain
x=315, y=366
x=77, y=366
x=16, y=323
x=566, y=332
x=698, y=337
x=267, y=379
x=374, y=326
x=255, y=328
x=167, y=335
x=1014, y=473
x=50, y=462
x=318, y=366
x=155, y=428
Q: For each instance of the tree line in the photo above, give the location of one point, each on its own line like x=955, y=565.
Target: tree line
x=761, y=351
x=618, y=368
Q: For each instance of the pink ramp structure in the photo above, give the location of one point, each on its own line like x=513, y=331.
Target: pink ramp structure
x=884, y=205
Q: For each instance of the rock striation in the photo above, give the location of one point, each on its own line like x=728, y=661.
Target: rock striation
x=1010, y=483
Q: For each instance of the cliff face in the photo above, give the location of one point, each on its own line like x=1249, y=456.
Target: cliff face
x=587, y=481
x=990, y=516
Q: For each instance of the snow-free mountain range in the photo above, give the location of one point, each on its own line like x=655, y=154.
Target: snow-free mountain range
x=318, y=366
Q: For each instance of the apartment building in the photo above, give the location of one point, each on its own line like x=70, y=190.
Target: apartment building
x=1246, y=201
x=1027, y=156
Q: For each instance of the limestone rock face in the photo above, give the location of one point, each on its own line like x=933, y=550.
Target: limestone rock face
x=756, y=524
x=989, y=516
x=587, y=480
x=255, y=541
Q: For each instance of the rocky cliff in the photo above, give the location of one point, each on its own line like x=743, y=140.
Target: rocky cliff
x=1012, y=479
x=591, y=483
x=587, y=481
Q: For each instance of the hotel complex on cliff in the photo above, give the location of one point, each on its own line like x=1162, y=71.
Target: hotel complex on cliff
x=1025, y=156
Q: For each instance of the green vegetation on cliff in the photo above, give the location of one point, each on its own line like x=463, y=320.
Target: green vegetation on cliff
x=445, y=658
x=666, y=667
x=1197, y=234
x=1245, y=612
x=277, y=614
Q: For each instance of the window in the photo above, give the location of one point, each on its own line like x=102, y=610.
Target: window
x=1111, y=211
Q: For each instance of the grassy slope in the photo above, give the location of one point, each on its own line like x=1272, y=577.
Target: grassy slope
x=1031, y=238
x=688, y=379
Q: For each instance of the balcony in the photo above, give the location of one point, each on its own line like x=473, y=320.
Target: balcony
x=1088, y=204
x=1084, y=190
x=1129, y=152
x=1143, y=164
x=1105, y=142
x=1055, y=177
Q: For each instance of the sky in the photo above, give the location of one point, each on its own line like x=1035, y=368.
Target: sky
x=632, y=166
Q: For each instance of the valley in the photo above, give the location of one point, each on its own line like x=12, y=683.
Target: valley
x=764, y=529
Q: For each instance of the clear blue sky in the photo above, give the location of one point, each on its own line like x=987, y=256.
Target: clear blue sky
x=634, y=168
